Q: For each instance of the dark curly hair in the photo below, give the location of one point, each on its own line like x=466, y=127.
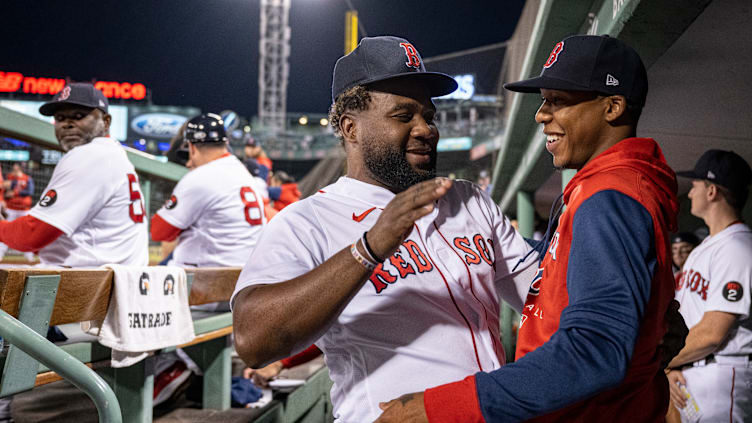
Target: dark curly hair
x=355, y=98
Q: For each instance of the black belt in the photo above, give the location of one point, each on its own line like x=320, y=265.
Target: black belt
x=710, y=358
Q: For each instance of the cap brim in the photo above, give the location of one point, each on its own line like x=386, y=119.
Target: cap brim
x=438, y=84
x=49, y=109
x=689, y=174
x=534, y=85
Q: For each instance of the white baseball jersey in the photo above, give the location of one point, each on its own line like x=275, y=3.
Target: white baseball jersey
x=94, y=198
x=718, y=277
x=220, y=209
x=428, y=315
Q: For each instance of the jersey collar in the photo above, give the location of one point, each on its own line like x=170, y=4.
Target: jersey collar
x=361, y=191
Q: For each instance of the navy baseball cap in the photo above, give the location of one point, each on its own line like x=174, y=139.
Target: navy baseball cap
x=76, y=93
x=724, y=168
x=595, y=63
x=687, y=237
x=380, y=58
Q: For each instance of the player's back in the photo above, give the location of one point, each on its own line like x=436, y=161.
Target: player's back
x=221, y=208
x=94, y=198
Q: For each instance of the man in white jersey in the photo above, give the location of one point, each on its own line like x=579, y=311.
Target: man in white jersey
x=91, y=212
x=216, y=214
x=394, y=274
x=216, y=210
x=715, y=365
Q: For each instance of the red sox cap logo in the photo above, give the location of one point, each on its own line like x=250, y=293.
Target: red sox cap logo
x=554, y=56
x=733, y=291
x=64, y=94
x=48, y=198
x=413, y=60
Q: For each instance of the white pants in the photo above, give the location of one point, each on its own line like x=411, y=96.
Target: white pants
x=13, y=215
x=723, y=390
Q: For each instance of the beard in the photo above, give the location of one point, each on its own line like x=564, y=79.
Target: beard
x=390, y=166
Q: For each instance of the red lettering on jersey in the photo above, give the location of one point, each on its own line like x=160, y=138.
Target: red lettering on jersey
x=694, y=283
x=471, y=257
x=380, y=278
x=554, y=56
x=413, y=60
x=404, y=268
x=704, y=290
x=250, y=201
x=136, y=208
x=493, y=253
x=418, y=257
x=480, y=244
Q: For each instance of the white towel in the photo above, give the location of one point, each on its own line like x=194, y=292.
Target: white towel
x=148, y=311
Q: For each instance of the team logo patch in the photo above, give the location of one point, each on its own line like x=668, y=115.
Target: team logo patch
x=65, y=94
x=143, y=283
x=48, y=198
x=413, y=60
x=169, y=285
x=535, y=285
x=554, y=56
x=171, y=202
x=733, y=291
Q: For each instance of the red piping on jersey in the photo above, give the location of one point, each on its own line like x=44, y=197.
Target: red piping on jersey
x=472, y=335
x=472, y=291
x=161, y=230
x=733, y=379
x=28, y=233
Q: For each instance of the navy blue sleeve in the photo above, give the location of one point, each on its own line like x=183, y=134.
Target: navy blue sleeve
x=611, y=263
x=29, y=190
x=274, y=193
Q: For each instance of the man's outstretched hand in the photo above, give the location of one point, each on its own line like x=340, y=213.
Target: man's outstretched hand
x=408, y=408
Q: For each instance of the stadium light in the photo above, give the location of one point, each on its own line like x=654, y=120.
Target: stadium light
x=303, y=120
x=324, y=122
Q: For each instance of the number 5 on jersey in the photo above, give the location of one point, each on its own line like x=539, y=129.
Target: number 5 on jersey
x=136, y=208
x=254, y=213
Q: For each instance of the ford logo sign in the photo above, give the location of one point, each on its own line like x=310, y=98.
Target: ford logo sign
x=157, y=125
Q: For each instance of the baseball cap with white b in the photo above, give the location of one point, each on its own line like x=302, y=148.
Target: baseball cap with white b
x=76, y=93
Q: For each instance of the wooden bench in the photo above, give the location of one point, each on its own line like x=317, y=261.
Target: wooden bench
x=40, y=298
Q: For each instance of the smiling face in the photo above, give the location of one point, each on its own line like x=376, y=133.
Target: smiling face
x=574, y=124
x=397, y=135
x=78, y=125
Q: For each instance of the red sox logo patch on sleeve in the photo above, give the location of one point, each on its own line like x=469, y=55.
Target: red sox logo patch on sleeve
x=554, y=56
x=48, y=198
x=171, y=202
x=733, y=291
x=413, y=60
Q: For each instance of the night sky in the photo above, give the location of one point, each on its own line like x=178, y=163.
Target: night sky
x=204, y=53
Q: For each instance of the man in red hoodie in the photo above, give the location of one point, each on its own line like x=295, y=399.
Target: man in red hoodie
x=588, y=343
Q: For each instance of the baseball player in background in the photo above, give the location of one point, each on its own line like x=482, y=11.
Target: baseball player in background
x=215, y=211
x=18, y=188
x=715, y=366
x=588, y=343
x=216, y=214
x=393, y=273
x=91, y=212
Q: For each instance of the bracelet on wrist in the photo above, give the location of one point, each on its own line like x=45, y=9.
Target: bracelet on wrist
x=365, y=262
x=364, y=240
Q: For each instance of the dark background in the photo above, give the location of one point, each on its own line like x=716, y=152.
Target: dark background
x=205, y=53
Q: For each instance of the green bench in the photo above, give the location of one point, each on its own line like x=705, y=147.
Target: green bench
x=39, y=298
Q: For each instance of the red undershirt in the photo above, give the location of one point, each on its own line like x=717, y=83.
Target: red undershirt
x=28, y=233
